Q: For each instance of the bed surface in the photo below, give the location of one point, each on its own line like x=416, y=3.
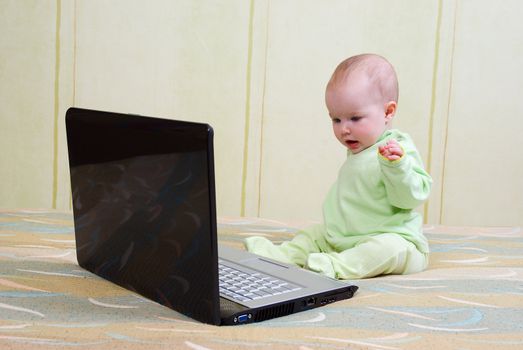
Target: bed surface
x=471, y=297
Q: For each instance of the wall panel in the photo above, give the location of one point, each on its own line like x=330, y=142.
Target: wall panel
x=179, y=59
x=256, y=71
x=27, y=85
x=483, y=179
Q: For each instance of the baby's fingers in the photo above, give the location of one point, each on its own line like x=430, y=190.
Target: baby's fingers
x=392, y=157
x=395, y=150
x=392, y=142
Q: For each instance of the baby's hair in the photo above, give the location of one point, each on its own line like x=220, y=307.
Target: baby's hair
x=378, y=70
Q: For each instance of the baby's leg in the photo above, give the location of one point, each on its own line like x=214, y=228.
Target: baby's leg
x=296, y=251
x=387, y=253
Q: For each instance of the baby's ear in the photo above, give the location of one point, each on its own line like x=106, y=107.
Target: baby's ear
x=390, y=110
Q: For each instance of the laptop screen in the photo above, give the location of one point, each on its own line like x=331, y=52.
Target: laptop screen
x=143, y=203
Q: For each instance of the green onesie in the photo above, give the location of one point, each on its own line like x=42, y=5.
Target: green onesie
x=370, y=227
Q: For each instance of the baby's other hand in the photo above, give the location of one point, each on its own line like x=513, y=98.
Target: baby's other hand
x=392, y=150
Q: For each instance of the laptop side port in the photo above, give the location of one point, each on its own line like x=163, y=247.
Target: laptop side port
x=327, y=300
x=242, y=318
x=309, y=301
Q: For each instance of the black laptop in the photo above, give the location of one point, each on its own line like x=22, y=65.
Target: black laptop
x=145, y=218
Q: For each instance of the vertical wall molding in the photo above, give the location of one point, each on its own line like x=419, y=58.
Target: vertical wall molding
x=258, y=36
x=247, y=110
x=266, y=49
x=56, y=101
x=447, y=114
x=73, y=80
x=440, y=104
x=430, y=142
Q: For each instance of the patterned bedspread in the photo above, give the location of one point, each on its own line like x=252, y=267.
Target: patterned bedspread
x=471, y=297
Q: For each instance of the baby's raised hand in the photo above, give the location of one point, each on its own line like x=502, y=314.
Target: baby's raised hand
x=392, y=150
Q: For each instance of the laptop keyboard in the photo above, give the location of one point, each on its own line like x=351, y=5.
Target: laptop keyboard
x=244, y=286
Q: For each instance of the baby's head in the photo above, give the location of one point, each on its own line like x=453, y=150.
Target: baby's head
x=362, y=96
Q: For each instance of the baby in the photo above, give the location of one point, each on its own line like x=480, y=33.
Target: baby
x=369, y=225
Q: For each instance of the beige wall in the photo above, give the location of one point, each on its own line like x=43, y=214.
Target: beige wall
x=256, y=71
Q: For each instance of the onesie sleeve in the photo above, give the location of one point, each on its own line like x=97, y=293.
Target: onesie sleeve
x=406, y=182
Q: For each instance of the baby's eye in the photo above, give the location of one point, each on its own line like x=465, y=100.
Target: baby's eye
x=355, y=118
x=336, y=120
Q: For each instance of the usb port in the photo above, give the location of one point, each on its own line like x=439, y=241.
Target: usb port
x=327, y=300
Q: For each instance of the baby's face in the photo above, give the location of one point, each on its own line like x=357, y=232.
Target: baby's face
x=358, y=112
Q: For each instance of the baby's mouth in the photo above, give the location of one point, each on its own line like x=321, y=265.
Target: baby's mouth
x=352, y=144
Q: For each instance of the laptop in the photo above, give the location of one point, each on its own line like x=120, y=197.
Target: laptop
x=143, y=196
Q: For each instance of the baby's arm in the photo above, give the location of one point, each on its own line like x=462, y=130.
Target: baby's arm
x=406, y=181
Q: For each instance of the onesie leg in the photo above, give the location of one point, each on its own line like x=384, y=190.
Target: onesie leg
x=296, y=251
x=374, y=256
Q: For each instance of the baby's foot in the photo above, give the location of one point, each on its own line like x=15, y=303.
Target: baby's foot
x=264, y=247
